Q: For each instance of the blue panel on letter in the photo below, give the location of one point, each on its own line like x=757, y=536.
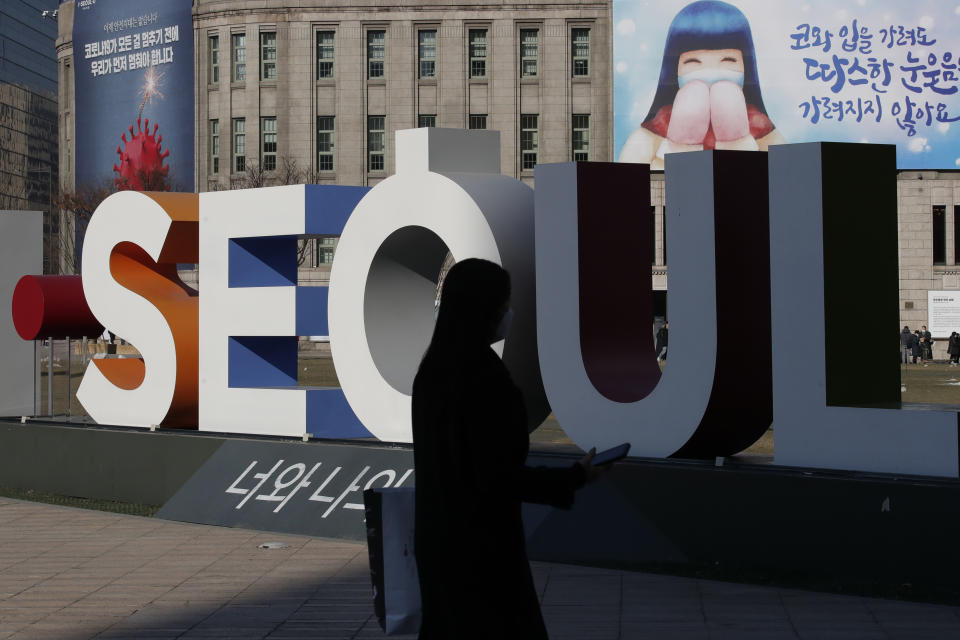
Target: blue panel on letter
x=330, y=416
x=312, y=311
x=269, y=261
x=262, y=361
x=329, y=206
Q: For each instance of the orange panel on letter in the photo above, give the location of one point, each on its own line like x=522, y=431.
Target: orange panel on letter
x=159, y=283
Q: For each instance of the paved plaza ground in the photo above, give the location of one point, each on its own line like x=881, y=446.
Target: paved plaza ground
x=72, y=574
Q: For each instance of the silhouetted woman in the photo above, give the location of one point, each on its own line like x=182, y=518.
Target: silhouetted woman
x=470, y=447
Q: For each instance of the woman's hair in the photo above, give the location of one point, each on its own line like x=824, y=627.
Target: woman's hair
x=471, y=303
x=707, y=24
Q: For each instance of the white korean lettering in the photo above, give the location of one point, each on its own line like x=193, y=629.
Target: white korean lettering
x=403, y=477
x=354, y=486
x=317, y=497
x=279, y=484
x=389, y=473
x=262, y=477
x=233, y=487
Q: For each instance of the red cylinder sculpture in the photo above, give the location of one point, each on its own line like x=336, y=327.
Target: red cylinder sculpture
x=52, y=307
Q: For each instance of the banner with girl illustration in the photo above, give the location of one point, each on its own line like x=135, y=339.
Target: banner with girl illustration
x=747, y=74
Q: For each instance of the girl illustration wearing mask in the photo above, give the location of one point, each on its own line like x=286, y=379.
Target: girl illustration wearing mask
x=708, y=96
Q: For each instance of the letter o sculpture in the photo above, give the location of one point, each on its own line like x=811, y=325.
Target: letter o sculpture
x=384, y=276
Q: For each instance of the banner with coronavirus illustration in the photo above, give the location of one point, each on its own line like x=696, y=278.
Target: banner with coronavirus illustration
x=746, y=74
x=133, y=62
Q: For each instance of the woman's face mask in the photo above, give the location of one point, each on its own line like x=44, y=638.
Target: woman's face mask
x=712, y=75
x=710, y=66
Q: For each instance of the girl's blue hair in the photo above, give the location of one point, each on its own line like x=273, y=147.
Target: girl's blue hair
x=707, y=24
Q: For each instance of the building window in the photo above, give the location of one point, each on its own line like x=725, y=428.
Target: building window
x=214, y=42
x=375, y=53
x=581, y=137
x=323, y=251
x=663, y=231
x=268, y=55
x=653, y=235
x=239, y=145
x=428, y=53
x=426, y=121
x=478, y=53
x=956, y=234
x=214, y=146
x=376, y=127
x=325, y=54
x=239, y=57
x=528, y=52
x=529, y=142
x=325, y=142
x=581, y=52
x=939, y=234
x=478, y=121
x=268, y=143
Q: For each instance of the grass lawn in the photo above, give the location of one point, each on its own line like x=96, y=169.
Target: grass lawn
x=937, y=383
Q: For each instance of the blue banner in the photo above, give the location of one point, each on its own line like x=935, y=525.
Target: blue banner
x=134, y=76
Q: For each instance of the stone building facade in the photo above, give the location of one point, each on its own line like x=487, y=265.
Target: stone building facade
x=929, y=242
x=327, y=83
x=293, y=91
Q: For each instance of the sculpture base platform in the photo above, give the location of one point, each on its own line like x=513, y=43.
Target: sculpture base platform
x=676, y=514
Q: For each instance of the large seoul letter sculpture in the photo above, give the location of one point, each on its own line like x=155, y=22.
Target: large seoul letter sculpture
x=251, y=311
x=595, y=318
x=833, y=250
x=130, y=254
x=384, y=277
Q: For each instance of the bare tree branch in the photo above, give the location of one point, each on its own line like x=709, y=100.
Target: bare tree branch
x=253, y=177
x=76, y=207
x=290, y=172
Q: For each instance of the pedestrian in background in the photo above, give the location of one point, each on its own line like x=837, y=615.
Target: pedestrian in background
x=661, y=345
x=916, y=348
x=927, y=339
x=953, y=348
x=906, y=344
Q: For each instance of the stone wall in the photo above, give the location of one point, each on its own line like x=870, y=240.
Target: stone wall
x=296, y=97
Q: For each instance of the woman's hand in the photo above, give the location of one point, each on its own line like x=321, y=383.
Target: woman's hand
x=591, y=472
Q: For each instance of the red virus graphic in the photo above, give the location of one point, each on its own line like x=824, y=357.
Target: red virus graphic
x=141, y=165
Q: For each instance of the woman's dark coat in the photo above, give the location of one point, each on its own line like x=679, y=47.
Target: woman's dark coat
x=953, y=346
x=470, y=447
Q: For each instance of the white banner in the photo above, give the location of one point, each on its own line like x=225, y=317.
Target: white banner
x=943, y=309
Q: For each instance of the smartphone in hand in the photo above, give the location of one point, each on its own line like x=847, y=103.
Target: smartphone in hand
x=611, y=455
